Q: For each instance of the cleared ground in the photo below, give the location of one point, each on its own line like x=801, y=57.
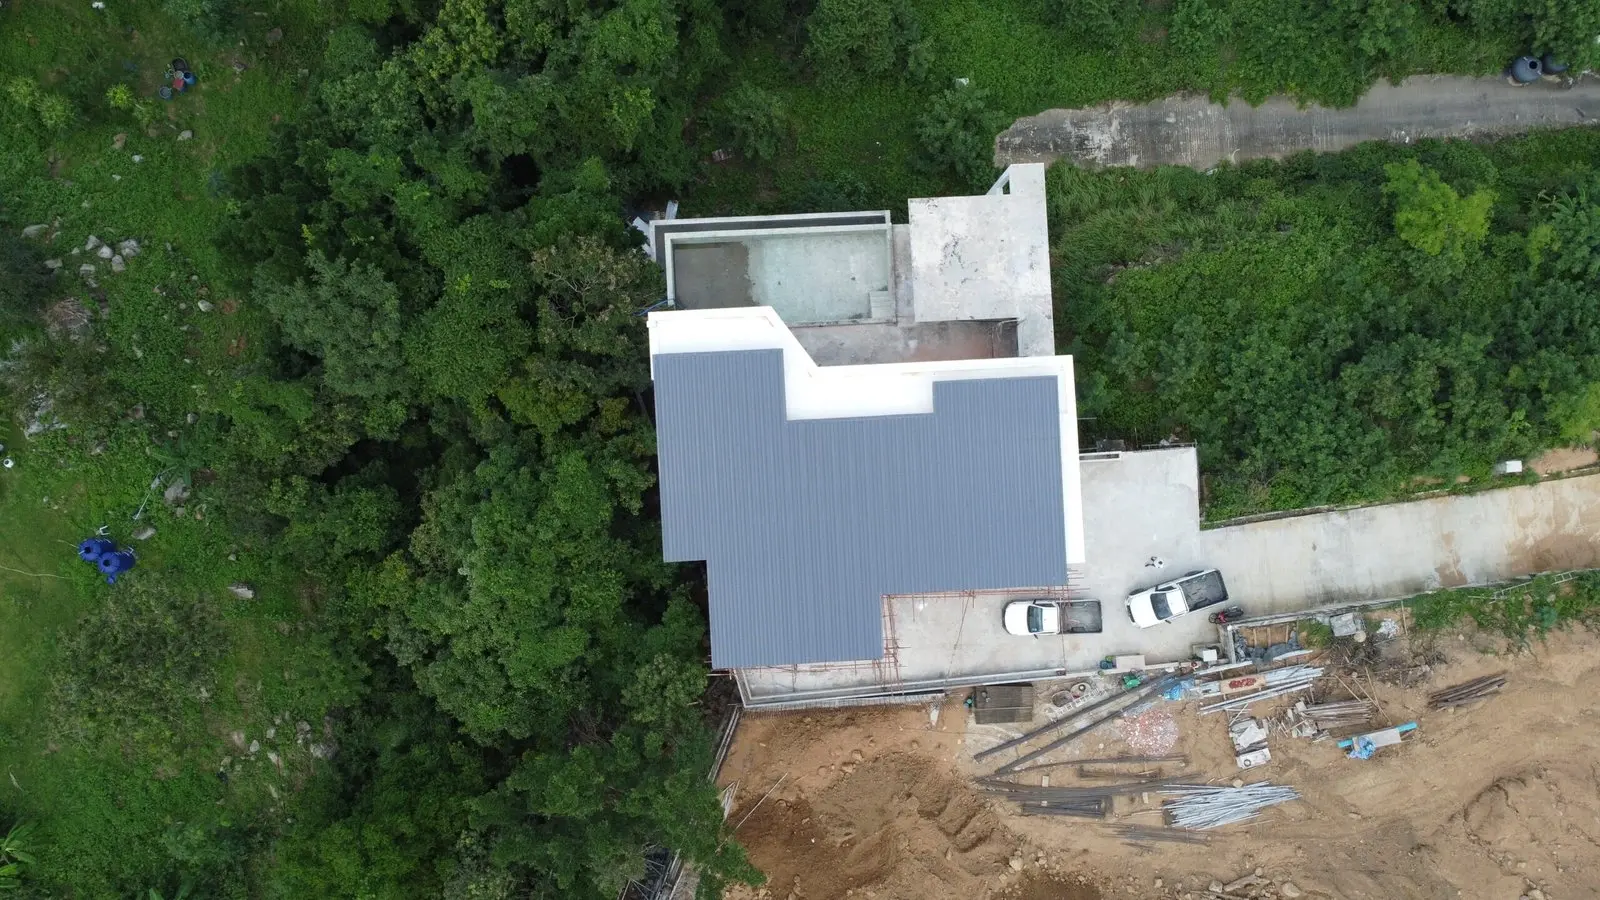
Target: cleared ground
x=1489, y=801
x=1190, y=130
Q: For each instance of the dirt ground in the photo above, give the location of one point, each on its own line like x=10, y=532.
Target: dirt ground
x=1495, y=800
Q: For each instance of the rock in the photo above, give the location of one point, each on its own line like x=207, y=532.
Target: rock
x=242, y=591
x=272, y=733
x=120, y=140
x=255, y=746
x=1535, y=894
x=176, y=492
x=144, y=533
x=1158, y=883
x=1288, y=889
x=128, y=248
x=275, y=759
x=185, y=135
x=204, y=305
x=137, y=158
x=52, y=264
x=1238, y=782
x=93, y=243
x=191, y=418
x=238, y=739
x=33, y=231
x=1016, y=863
x=98, y=448
x=104, y=252
x=86, y=270
x=1215, y=887
x=323, y=751
x=117, y=263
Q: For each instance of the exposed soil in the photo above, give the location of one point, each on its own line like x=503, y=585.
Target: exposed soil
x=1495, y=800
x=1564, y=459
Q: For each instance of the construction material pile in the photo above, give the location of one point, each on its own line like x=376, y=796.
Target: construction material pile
x=1088, y=801
x=1276, y=683
x=1200, y=806
x=1467, y=691
x=1336, y=719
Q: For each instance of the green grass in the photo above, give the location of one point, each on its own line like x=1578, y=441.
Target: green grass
x=1521, y=612
x=117, y=815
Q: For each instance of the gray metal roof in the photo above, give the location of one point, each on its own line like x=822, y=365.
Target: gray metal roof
x=805, y=525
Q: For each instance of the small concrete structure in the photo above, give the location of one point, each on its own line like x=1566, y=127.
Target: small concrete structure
x=967, y=278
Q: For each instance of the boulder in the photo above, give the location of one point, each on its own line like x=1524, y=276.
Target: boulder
x=128, y=248
x=93, y=243
x=105, y=252
x=33, y=231
x=52, y=264
x=117, y=263
x=185, y=135
x=242, y=591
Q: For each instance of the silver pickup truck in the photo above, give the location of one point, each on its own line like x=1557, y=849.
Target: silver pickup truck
x=1171, y=599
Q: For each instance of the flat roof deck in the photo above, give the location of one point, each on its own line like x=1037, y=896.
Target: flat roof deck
x=822, y=274
x=1144, y=504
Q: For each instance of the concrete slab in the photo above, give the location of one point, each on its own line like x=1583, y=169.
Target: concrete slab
x=1146, y=504
x=986, y=257
x=1190, y=130
x=843, y=345
x=713, y=276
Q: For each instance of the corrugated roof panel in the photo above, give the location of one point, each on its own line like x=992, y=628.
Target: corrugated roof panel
x=805, y=525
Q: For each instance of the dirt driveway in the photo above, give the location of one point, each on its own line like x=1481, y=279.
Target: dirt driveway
x=1190, y=130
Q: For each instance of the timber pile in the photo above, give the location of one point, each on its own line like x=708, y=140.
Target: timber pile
x=1327, y=719
x=1467, y=691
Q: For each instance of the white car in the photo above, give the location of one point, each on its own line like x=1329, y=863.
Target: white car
x=1169, y=600
x=1042, y=616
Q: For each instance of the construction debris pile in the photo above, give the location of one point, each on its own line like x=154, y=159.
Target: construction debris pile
x=1252, y=886
x=1082, y=801
x=1467, y=692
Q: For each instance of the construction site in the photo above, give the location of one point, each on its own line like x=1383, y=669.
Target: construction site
x=1386, y=762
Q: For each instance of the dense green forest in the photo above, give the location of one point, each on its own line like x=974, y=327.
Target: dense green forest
x=1339, y=328
x=344, y=338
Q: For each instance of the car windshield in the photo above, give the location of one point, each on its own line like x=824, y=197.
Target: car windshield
x=1035, y=619
x=1158, y=605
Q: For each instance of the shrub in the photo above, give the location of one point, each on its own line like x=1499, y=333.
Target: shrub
x=754, y=120
x=208, y=18
x=135, y=666
x=956, y=135
x=853, y=39
x=1095, y=20
x=120, y=96
x=1429, y=214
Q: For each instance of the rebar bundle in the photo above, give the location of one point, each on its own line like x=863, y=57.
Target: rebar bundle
x=1139, y=834
x=1200, y=807
x=1467, y=691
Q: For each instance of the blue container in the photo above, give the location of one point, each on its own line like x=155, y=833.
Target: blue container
x=1552, y=66
x=1527, y=69
x=114, y=564
x=92, y=549
x=188, y=78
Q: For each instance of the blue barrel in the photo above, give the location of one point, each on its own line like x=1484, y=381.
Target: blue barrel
x=114, y=564
x=93, y=548
x=1527, y=69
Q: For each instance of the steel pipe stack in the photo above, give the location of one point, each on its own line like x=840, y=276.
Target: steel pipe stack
x=1199, y=808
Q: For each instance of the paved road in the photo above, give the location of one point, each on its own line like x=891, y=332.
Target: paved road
x=1190, y=130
